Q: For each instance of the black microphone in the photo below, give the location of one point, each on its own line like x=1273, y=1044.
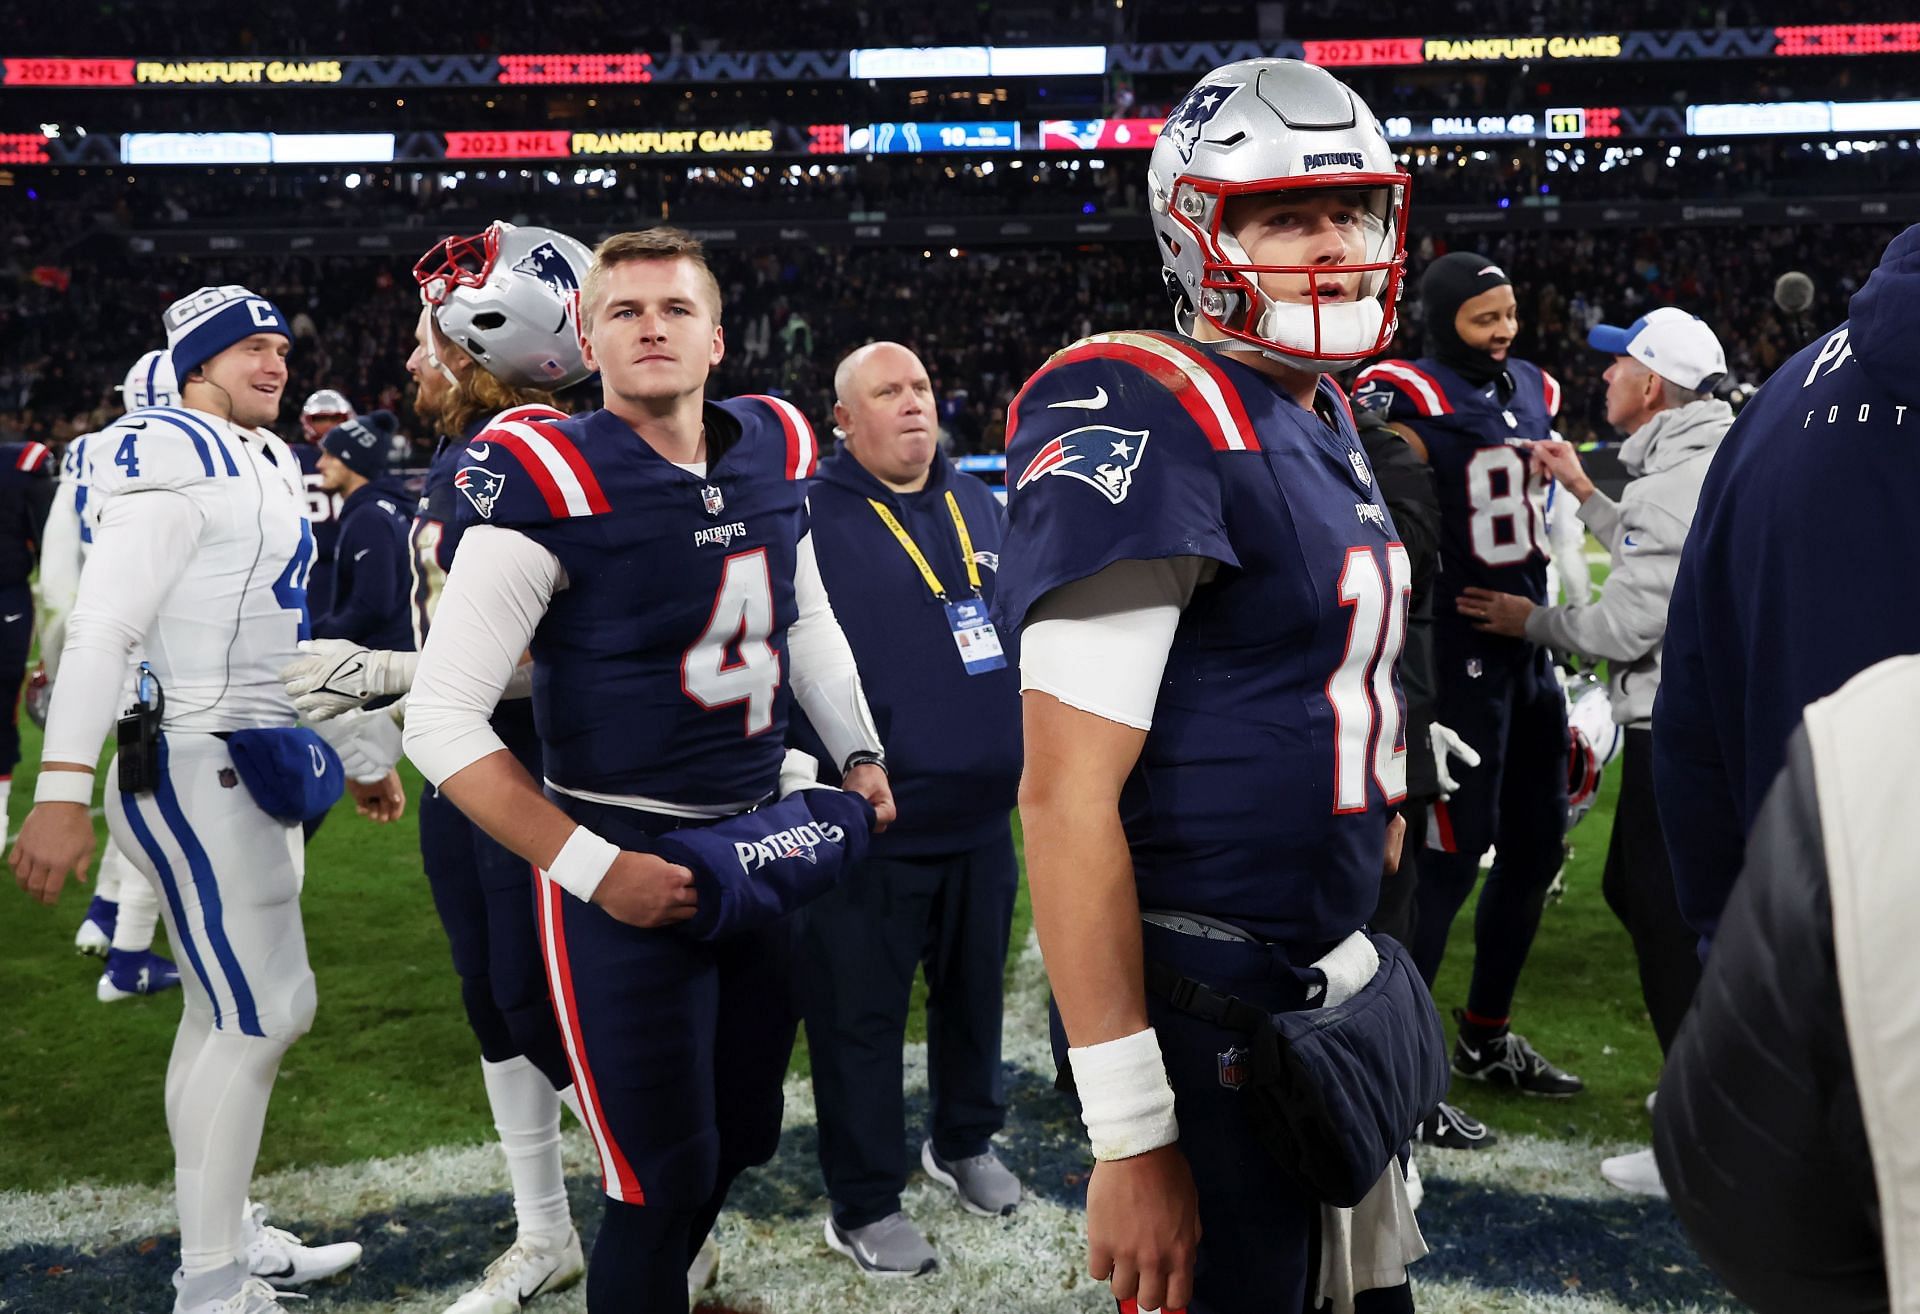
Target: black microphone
x=1793, y=293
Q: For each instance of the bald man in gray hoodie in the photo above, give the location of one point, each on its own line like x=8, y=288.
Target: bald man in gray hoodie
x=1658, y=391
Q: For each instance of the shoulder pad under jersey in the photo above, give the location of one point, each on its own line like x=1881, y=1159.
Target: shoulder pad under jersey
x=526, y=468
x=764, y=416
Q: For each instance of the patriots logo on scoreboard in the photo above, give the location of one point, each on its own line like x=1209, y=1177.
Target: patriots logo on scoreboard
x=481, y=486
x=1098, y=455
x=1194, y=113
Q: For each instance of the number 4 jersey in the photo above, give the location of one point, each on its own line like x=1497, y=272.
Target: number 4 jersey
x=1277, y=742
x=659, y=669
x=231, y=619
x=1493, y=528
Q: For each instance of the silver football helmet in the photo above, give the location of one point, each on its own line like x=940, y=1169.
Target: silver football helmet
x=510, y=298
x=1267, y=125
x=150, y=382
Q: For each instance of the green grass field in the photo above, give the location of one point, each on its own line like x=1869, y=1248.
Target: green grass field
x=390, y=1066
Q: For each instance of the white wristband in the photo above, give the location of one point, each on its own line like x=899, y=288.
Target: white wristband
x=1125, y=1099
x=64, y=787
x=582, y=863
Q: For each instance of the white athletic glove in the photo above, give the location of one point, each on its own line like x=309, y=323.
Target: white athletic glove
x=1447, y=744
x=331, y=676
x=368, y=744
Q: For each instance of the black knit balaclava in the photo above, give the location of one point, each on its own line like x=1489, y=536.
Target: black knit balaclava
x=1450, y=281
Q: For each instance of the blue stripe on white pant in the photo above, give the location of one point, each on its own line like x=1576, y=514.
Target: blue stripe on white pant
x=230, y=878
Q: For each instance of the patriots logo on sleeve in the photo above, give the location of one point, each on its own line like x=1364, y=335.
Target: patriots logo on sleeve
x=481, y=487
x=1101, y=456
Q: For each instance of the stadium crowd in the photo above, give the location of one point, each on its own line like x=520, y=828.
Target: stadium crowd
x=980, y=320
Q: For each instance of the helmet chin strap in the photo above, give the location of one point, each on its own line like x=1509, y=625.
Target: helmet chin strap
x=433, y=353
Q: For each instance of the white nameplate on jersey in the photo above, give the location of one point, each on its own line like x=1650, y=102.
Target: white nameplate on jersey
x=974, y=636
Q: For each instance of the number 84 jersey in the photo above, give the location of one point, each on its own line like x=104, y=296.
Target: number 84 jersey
x=660, y=667
x=1493, y=526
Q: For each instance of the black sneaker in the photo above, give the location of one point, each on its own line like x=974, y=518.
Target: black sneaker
x=1448, y=1128
x=1508, y=1060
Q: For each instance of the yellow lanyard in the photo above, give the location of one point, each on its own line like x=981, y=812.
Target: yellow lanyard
x=919, y=558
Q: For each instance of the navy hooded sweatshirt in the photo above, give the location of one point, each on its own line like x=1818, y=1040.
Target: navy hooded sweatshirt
x=1798, y=574
x=952, y=739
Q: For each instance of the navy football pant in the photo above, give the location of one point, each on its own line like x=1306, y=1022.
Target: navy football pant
x=859, y=946
x=485, y=898
x=1259, y=1232
x=678, y=1050
x=1515, y=801
x=16, y=639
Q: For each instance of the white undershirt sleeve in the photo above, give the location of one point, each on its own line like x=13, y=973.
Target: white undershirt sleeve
x=825, y=680
x=1100, y=643
x=501, y=585
x=144, y=543
x=60, y=563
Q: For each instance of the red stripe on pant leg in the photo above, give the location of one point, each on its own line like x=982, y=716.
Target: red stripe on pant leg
x=614, y=1169
x=1443, y=826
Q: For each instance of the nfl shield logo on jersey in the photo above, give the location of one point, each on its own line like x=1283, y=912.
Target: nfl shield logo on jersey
x=1098, y=455
x=1360, y=471
x=1233, y=1068
x=710, y=499
x=481, y=486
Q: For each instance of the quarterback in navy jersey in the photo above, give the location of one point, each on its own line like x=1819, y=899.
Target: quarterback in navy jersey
x=1474, y=409
x=652, y=556
x=1210, y=600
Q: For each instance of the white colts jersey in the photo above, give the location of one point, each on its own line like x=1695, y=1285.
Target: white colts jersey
x=232, y=617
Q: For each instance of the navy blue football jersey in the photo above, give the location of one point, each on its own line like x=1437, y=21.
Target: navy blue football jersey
x=660, y=669
x=1493, y=510
x=435, y=534
x=323, y=513
x=1278, y=742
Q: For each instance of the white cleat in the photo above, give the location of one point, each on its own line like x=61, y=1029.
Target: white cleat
x=528, y=1269
x=703, y=1270
x=280, y=1256
x=253, y=1297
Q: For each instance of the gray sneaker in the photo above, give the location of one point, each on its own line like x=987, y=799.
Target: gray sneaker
x=892, y=1247
x=982, y=1182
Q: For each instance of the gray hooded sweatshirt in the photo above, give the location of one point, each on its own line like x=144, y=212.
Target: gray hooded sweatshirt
x=1644, y=531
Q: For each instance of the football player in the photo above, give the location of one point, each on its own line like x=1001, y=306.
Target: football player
x=199, y=560
x=320, y=413
x=1211, y=600
x=496, y=339
x=652, y=554
x=125, y=907
x=1473, y=408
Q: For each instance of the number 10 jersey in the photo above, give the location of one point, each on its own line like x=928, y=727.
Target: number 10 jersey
x=1278, y=737
x=660, y=669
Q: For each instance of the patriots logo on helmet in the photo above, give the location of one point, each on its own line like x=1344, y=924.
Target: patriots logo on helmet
x=546, y=263
x=1202, y=103
x=1099, y=455
x=481, y=486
